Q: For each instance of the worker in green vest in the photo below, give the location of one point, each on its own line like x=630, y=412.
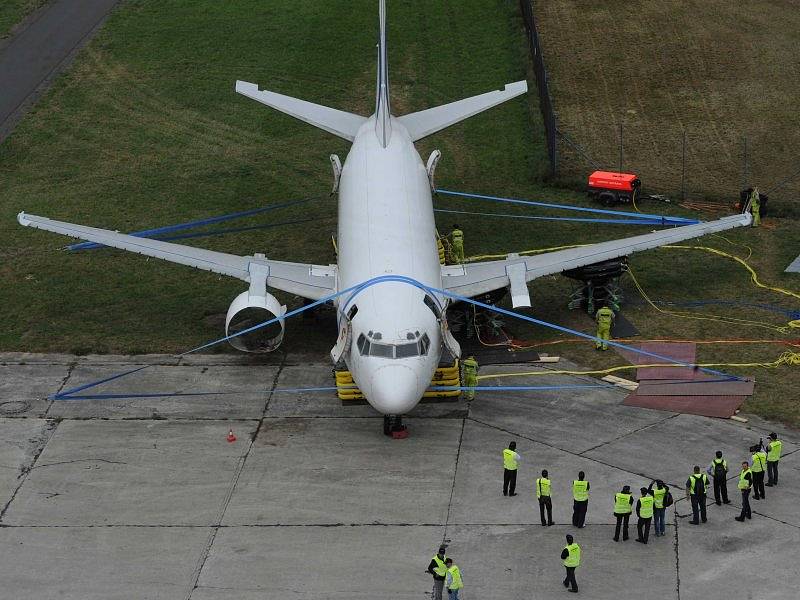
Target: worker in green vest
x=571, y=557
x=774, y=448
x=662, y=499
x=745, y=485
x=457, y=237
x=510, y=465
x=758, y=468
x=644, y=510
x=623, y=506
x=697, y=492
x=580, y=500
x=755, y=207
x=453, y=582
x=718, y=469
x=604, y=318
x=470, y=377
x=438, y=569
x=543, y=486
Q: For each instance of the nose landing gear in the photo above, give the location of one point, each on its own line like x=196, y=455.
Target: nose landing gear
x=393, y=427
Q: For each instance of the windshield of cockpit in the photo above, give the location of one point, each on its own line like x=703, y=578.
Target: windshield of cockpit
x=370, y=345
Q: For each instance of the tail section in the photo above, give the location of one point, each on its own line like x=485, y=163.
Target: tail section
x=383, y=121
x=425, y=122
x=337, y=122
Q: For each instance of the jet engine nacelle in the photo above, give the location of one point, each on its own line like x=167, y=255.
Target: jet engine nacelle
x=248, y=310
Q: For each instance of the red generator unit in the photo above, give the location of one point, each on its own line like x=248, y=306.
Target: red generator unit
x=610, y=187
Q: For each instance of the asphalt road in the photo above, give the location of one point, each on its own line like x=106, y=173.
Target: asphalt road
x=40, y=49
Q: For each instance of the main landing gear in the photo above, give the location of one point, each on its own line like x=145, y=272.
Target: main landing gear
x=393, y=427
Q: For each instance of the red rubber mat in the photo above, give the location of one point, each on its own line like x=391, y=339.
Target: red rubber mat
x=682, y=387
x=682, y=351
x=707, y=406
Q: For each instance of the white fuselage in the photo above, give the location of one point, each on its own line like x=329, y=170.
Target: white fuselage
x=386, y=227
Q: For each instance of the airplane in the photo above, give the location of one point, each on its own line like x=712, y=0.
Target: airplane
x=392, y=334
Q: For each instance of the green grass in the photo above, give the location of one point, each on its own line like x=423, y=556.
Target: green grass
x=720, y=71
x=13, y=11
x=145, y=130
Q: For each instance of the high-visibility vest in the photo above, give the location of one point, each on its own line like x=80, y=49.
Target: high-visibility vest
x=604, y=316
x=622, y=503
x=759, y=462
x=646, y=506
x=718, y=462
x=440, y=569
x=574, y=557
x=470, y=364
x=580, y=490
x=542, y=487
x=456, y=584
x=509, y=459
x=658, y=497
x=458, y=236
x=775, y=448
x=744, y=483
x=702, y=479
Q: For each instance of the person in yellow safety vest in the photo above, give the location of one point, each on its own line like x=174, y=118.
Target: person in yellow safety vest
x=438, y=569
x=457, y=237
x=718, y=469
x=580, y=500
x=755, y=207
x=470, y=377
x=454, y=582
x=623, y=501
x=697, y=491
x=571, y=557
x=543, y=487
x=758, y=468
x=774, y=448
x=661, y=500
x=644, y=510
x=745, y=485
x=440, y=250
x=604, y=318
x=510, y=465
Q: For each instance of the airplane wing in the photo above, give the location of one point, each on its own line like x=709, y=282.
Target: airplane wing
x=473, y=279
x=309, y=281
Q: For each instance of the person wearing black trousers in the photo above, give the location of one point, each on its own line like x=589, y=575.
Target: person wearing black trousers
x=623, y=503
x=745, y=485
x=718, y=469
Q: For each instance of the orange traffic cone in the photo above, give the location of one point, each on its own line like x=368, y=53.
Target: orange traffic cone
x=231, y=437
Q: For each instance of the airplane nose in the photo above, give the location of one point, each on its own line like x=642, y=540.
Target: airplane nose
x=395, y=389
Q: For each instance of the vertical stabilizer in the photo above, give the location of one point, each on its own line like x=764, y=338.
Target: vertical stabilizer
x=383, y=125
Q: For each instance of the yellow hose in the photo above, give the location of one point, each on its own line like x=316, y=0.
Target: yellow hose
x=787, y=358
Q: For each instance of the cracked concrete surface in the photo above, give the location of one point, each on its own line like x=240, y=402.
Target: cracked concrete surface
x=145, y=498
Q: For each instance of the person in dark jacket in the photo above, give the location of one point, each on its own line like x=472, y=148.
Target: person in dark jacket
x=438, y=569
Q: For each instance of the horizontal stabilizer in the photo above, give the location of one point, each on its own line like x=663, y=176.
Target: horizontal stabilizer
x=337, y=122
x=425, y=122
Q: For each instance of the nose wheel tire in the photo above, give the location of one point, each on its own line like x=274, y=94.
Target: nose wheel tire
x=393, y=426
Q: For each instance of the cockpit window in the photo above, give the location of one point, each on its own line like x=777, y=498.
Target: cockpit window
x=408, y=350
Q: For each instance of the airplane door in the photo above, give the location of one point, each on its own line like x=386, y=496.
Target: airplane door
x=343, y=342
x=452, y=345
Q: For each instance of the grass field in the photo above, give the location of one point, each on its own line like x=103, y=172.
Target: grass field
x=719, y=70
x=13, y=11
x=146, y=130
